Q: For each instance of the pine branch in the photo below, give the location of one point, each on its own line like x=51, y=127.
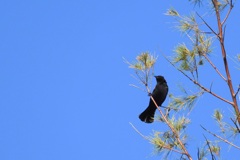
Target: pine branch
x=185, y=152
x=198, y=84
x=147, y=138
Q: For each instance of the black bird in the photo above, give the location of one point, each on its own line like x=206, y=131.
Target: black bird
x=159, y=95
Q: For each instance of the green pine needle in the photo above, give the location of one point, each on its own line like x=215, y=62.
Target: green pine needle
x=172, y=12
x=218, y=115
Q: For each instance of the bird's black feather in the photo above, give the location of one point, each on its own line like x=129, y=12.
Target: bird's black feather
x=159, y=95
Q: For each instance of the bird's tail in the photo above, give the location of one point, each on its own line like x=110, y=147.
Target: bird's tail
x=147, y=115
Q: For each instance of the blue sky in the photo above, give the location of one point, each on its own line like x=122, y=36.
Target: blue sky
x=64, y=88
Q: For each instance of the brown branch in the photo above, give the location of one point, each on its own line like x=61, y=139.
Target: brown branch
x=221, y=40
x=198, y=84
x=214, y=67
x=223, y=139
x=229, y=11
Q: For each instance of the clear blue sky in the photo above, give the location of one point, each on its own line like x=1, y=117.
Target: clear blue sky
x=64, y=88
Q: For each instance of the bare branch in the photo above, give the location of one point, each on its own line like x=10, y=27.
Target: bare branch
x=145, y=137
x=207, y=24
x=133, y=85
x=214, y=67
x=225, y=62
x=198, y=84
x=229, y=11
x=223, y=139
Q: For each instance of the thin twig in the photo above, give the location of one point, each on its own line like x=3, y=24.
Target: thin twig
x=224, y=31
x=133, y=85
x=195, y=82
x=224, y=140
x=209, y=148
x=237, y=90
x=229, y=11
x=211, y=86
x=235, y=123
x=198, y=154
x=145, y=137
x=207, y=24
x=214, y=67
